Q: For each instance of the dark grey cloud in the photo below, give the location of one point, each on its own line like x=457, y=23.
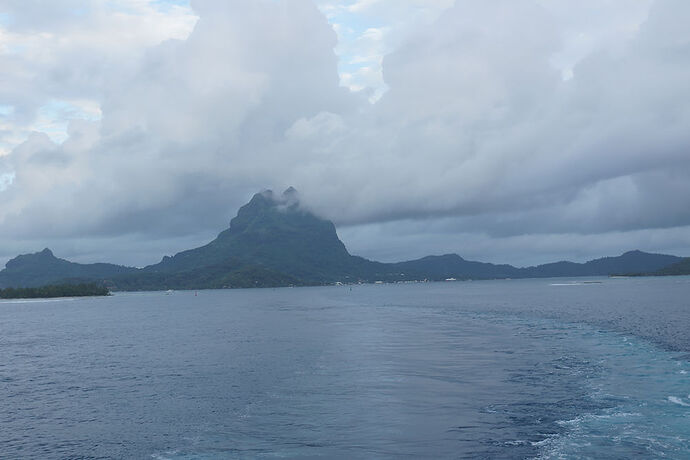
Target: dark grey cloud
x=480, y=146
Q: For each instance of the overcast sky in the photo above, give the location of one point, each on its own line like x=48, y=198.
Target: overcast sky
x=504, y=131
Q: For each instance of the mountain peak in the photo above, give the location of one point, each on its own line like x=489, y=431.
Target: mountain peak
x=23, y=260
x=272, y=232
x=290, y=192
x=264, y=204
x=289, y=197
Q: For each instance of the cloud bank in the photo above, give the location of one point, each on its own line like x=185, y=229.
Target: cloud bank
x=508, y=131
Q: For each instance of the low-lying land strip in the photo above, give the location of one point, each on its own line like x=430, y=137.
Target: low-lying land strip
x=55, y=290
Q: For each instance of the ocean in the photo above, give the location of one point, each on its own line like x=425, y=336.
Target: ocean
x=542, y=368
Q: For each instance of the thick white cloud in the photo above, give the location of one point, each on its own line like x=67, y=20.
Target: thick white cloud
x=506, y=125
x=479, y=121
x=61, y=56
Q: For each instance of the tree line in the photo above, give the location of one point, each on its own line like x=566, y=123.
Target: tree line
x=55, y=290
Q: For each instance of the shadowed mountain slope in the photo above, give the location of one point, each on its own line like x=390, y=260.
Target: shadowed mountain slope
x=679, y=268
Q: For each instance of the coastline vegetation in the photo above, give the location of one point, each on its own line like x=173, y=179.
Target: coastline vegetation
x=55, y=290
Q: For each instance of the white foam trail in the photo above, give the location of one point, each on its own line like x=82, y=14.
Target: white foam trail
x=678, y=401
x=61, y=299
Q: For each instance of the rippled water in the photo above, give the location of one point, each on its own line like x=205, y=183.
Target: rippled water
x=495, y=369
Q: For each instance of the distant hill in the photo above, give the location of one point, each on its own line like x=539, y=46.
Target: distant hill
x=43, y=268
x=629, y=262
x=274, y=241
x=453, y=266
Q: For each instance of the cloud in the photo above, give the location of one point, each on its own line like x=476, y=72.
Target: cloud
x=505, y=125
x=478, y=121
x=64, y=54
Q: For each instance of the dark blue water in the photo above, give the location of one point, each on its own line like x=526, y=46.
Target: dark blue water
x=495, y=369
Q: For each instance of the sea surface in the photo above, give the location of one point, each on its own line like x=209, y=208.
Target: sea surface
x=547, y=368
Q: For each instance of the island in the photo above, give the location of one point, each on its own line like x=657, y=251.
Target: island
x=275, y=241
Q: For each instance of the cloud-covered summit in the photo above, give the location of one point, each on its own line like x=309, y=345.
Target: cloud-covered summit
x=516, y=131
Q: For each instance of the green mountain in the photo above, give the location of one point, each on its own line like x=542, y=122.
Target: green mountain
x=273, y=232
x=275, y=241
